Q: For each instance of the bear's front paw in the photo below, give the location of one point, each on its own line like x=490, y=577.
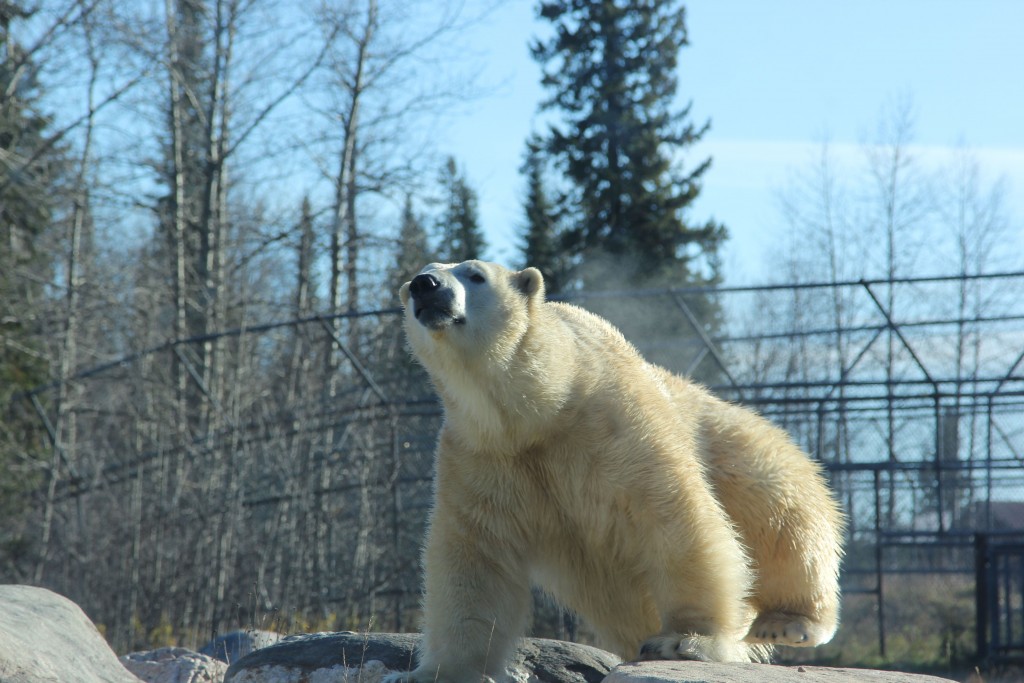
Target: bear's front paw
x=780, y=628
x=675, y=646
x=699, y=648
x=422, y=675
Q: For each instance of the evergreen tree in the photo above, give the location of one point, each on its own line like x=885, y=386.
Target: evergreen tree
x=184, y=222
x=305, y=289
x=30, y=169
x=459, y=224
x=394, y=367
x=610, y=69
x=543, y=241
x=413, y=246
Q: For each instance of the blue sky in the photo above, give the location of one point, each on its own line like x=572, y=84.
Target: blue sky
x=777, y=79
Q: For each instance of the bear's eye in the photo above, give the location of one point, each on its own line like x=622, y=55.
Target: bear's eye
x=477, y=278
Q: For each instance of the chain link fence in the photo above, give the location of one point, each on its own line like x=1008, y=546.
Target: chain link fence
x=279, y=476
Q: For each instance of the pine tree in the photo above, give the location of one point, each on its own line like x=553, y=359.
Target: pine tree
x=395, y=367
x=610, y=70
x=413, y=246
x=459, y=223
x=30, y=170
x=184, y=225
x=305, y=288
x=27, y=175
x=543, y=240
x=618, y=141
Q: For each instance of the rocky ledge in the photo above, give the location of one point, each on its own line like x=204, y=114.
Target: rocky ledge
x=46, y=638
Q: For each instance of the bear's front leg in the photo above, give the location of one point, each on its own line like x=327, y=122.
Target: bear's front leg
x=701, y=591
x=476, y=605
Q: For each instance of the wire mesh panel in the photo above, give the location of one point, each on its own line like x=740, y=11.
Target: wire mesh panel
x=280, y=475
x=1000, y=597
x=1008, y=615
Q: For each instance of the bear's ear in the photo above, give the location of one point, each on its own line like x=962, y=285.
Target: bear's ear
x=530, y=282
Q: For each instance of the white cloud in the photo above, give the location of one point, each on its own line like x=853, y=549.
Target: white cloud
x=743, y=187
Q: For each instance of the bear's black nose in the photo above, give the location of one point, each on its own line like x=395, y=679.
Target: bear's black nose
x=422, y=284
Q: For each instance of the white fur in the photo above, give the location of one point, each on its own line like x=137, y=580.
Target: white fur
x=671, y=521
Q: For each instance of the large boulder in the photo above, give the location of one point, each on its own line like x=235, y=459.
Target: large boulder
x=368, y=657
x=46, y=638
x=230, y=647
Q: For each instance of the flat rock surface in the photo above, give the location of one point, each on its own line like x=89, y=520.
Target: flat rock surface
x=46, y=638
x=702, y=672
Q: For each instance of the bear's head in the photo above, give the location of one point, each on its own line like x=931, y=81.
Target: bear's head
x=469, y=308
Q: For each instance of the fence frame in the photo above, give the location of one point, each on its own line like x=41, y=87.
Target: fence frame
x=818, y=401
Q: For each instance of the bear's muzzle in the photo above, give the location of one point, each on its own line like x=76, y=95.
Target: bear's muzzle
x=433, y=303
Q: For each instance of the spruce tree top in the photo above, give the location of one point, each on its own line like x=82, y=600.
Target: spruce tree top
x=610, y=70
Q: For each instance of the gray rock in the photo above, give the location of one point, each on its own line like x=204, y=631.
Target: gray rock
x=367, y=658
x=341, y=657
x=45, y=637
x=559, y=661
x=701, y=672
x=232, y=646
x=175, y=665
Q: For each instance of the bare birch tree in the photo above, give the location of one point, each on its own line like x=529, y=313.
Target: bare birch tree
x=972, y=219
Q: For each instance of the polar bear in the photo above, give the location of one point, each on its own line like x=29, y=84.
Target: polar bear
x=677, y=525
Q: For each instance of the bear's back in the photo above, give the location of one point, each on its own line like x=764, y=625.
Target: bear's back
x=592, y=332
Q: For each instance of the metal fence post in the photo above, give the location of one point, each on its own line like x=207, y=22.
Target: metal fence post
x=981, y=589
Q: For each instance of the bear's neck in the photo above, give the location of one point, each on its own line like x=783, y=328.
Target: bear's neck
x=505, y=405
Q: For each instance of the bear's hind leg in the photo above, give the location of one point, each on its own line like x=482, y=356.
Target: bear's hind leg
x=796, y=594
